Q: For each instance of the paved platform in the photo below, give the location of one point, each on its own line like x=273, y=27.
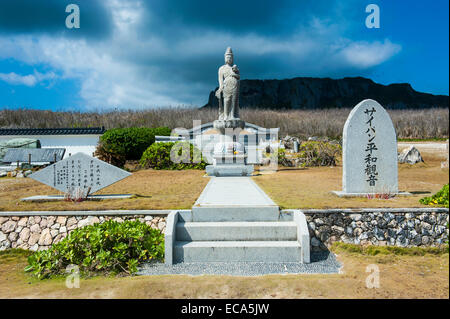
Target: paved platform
x=53, y=198
x=233, y=191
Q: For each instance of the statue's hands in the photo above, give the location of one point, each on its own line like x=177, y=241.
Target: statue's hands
x=218, y=93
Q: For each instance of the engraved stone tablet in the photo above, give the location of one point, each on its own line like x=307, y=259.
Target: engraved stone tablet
x=369, y=151
x=80, y=170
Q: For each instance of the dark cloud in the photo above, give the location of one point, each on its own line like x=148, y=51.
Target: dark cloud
x=49, y=16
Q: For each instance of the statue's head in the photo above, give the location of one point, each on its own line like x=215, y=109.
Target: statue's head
x=229, y=56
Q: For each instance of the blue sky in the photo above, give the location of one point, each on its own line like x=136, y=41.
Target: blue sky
x=144, y=54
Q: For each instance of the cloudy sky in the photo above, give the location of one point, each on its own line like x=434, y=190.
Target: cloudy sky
x=143, y=54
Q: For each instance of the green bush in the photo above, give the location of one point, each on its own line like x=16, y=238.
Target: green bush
x=311, y=154
x=158, y=156
x=121, y=144
x=440, y=198
x=318, y=154
x=110, y=247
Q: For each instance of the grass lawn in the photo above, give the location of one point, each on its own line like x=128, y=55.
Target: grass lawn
x=402, y=275
x=154, y=189
x=289, y=188
x=311, y=187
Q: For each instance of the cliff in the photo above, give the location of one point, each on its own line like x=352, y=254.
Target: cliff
x=315, y=93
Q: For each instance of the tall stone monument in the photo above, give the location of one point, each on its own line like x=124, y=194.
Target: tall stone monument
x=229, y=157
x=369, y=152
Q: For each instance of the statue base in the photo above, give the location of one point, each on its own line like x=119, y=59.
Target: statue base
x=223, y=125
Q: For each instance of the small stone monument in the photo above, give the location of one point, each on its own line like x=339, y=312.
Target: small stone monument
x=369, y=155
x=82, y=172
x=229, y=156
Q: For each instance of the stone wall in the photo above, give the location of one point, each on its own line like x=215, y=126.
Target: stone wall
x=421, y=227
x=39, y=232
x=378, y=228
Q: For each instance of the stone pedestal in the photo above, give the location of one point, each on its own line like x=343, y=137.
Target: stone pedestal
x=229, y=157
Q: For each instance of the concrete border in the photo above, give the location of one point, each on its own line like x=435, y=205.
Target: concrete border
x=85, y=212
x=165, y=212
x=344, y=194
x=302, y=236
x=170, y=237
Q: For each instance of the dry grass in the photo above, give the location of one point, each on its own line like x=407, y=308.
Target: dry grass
x=154, y=190
x=289, y=188
x=426, y=123
x=400, y=277
x=311, y=187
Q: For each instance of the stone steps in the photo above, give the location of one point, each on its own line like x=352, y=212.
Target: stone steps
x=233, y=231
x=237, y=251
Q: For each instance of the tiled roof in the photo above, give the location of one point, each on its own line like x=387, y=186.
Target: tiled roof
x=52, y=131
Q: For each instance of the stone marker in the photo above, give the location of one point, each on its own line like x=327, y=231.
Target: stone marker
x=369, y=152
x=80, y=170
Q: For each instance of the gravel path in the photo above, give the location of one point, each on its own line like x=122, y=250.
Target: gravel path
x=321, y=263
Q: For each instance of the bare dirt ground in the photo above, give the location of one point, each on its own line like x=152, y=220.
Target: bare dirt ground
x=399, y=277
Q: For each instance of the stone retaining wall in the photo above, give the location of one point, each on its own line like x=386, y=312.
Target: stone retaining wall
x=421, y=227
x=39, y=232
x=378, y=228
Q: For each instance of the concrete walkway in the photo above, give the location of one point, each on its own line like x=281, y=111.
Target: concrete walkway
x=233, y=191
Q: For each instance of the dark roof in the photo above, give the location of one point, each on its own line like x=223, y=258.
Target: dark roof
x=52, y=131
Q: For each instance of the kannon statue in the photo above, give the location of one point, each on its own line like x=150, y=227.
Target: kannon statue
x=228, y=92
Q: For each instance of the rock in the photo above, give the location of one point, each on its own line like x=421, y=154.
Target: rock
x=3, y=219
x=43, y=223
x=22, y=222
x=28, y=172
x=90, y=220
x=54, y=232
x=71, y=223
x=13, y=236
x=34, y=238
x=3, y=174
x=410, y=155
x=19, y=175
x=34, y=247
x=425, y=240
x=63, y=229
x=35, y=228
x=315, y=242
x=61, y=220
x=288, y=142
x=46, y=238
x=2, y=236
x=25, y=234
x=37, y=219
x=9, y=226
x=356, y=217
x=314, y=93
x=161, y=225
x=55, y=226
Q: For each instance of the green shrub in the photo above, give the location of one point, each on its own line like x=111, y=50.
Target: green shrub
x=158, y=156
x=440, y=198
x=318, y=154
x=311, y=154
x=121, y=144
x=110, y=247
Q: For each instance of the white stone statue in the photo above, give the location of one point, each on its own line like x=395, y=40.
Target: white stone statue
x=228, y=92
